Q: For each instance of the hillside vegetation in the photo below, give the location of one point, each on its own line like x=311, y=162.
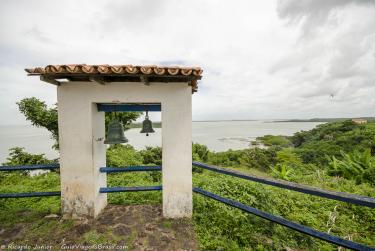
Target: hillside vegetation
x=336, y=156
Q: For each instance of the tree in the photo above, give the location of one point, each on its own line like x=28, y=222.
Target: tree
x=18, y=156
x=200, y=152
x=40, y=115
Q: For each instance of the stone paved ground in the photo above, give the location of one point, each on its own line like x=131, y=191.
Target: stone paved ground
x=138, y=227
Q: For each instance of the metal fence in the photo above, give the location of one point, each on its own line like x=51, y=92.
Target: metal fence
x=349, y=198
x=53, y=166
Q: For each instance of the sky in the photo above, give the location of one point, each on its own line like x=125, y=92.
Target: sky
x=261, y=59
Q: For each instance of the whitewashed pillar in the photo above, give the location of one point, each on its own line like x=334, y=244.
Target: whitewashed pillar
x=81, y=155
x=177, y=154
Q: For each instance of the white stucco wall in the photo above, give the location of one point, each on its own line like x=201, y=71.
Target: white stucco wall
x=81, y=156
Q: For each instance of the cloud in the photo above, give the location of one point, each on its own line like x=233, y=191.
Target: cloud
x=314, y=13
x=262, y=59
x=334, y=48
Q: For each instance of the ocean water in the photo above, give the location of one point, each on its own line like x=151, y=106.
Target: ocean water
x=217, y=135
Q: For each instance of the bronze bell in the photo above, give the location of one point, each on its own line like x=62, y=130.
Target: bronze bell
x=115, y=134
x=147, y=125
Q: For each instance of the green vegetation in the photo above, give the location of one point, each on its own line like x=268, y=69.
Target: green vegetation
x=359, y=166
x=18, y=156
x=219, y=226
x=336, y=156
x=325, y=119
x=281, y=171
x=332, y=138
x=274, y=140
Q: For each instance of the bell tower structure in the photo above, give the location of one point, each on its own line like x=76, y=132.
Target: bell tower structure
x=80, y=91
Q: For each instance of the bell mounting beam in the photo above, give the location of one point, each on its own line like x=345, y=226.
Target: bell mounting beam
x=99, y=80
x=145, y=80
x=129, y=107
x=49, y=80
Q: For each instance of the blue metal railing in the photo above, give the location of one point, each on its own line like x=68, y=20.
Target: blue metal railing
x=30, y=167
x=349, y=198
x=27, y=195
x=129, y=169
x=129, y=189
x=281, y=221
x=101, y=190
x=354, y=199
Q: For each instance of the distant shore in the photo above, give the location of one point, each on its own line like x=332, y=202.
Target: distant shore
x=322, y=119
x=315, y=120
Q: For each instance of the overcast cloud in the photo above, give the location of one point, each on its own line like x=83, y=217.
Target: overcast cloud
x=261, y=59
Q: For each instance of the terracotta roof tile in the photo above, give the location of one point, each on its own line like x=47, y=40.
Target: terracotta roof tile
x=79, y=72
x=115, y=69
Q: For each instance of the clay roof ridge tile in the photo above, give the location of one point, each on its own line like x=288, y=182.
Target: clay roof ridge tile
x=132, y=69
x=117, y=69
x=159, y=70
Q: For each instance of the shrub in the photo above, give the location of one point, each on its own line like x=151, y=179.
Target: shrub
x=358, y=166
x=259, y=158
x=281, y=171
x=18, y=156
x=331, y=138
x=275, y=140
x=227, y=158
x=315, y=152
x=200, y=152
x=123, y=155
x=152, y=155
x=289, y=157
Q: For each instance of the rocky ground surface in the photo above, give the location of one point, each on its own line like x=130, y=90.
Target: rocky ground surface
x=135, y=227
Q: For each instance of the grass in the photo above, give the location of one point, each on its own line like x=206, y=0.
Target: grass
x=217, y=226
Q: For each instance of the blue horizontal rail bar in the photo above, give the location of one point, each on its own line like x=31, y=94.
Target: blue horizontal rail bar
x=279, y=220
x=349, y=198
x=129, y=169
x=31, y=167
x=129, y=189
x=129, y=107
x=27, y=195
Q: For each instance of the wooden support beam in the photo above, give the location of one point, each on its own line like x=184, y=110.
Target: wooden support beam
x=49, y=80
x=99, y=80
x=144, y=80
